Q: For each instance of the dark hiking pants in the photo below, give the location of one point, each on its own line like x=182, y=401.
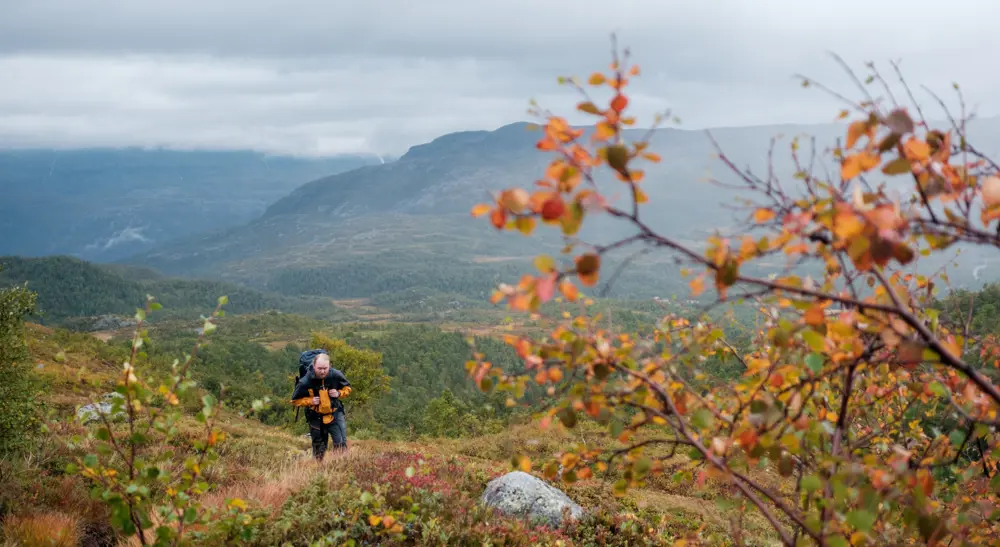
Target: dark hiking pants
x=319, y=432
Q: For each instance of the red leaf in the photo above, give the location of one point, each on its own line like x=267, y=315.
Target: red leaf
x=545, y=287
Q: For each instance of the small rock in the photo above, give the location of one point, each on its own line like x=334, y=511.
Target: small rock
x=520, y=494
x=92, y=413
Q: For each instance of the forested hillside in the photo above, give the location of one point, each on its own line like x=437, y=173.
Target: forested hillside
x=68, y=287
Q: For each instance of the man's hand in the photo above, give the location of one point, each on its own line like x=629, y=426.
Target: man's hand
x=334, y=393
x=316, y=400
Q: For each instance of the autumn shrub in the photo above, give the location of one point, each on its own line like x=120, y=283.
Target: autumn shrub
x=149, y=467
x=875, y=407
x=20, y=415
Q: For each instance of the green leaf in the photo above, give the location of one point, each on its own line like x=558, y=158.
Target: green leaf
x=861, y=520
x=897, y=166
x=702, y=418
x=642, y=466
x=567, y=416
x=223, y=300
x=814, y=339
x=618, y=157
x=90, y=460
x=815, y=362
x=811, y=483
x=957, y=437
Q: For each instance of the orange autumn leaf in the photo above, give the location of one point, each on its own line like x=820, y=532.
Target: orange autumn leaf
x=762, y=215
x=917, y=149
x=814, y=316
x=619, y=103
x=748, y=438
x=855, y=131
x=547, y=144
x=858, y=163
x=697, y=285
x=498, y=218
x=597, y=79
x=589, y=279
x=568, y=290
x=481, y=209
x=850, y=168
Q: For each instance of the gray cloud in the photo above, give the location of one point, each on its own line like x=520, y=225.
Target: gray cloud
x=319, y=77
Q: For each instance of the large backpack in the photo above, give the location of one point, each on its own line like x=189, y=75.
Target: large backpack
x=306, y=359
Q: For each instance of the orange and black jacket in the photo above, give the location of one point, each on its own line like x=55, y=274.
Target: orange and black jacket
x=310, y=386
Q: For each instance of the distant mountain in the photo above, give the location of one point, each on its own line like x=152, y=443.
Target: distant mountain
x=68, y=288
x=403, y=225
x=105, y=204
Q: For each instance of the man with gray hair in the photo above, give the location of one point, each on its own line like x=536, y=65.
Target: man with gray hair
x=321, y=391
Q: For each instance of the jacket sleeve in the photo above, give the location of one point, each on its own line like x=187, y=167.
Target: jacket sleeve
x=300, y=396
x=342, y=381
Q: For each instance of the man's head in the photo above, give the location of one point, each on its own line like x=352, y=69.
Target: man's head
x=321, y=365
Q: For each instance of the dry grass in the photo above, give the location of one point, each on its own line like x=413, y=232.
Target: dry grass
x=42, y=529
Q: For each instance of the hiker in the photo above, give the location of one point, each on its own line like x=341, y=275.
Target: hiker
x=321, y=391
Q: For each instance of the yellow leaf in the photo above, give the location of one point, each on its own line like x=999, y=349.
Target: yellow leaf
x=525, y=225
x=238, y=503
x=374, y=520
x=763, y=215
x=597, y=79
x=604, y=131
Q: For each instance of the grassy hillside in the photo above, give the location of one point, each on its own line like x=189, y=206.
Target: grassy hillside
x=430, y=485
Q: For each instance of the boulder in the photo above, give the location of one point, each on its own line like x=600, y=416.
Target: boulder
x=92, y=413
x=523, y=495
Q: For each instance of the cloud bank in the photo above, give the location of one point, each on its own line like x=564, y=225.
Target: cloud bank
x=326, y=77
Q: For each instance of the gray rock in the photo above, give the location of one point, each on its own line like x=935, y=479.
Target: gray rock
x=520, y=494
x=92, y=413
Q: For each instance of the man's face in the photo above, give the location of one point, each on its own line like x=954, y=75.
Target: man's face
x=321, y=366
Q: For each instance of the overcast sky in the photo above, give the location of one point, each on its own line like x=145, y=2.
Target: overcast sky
x=332, y=76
